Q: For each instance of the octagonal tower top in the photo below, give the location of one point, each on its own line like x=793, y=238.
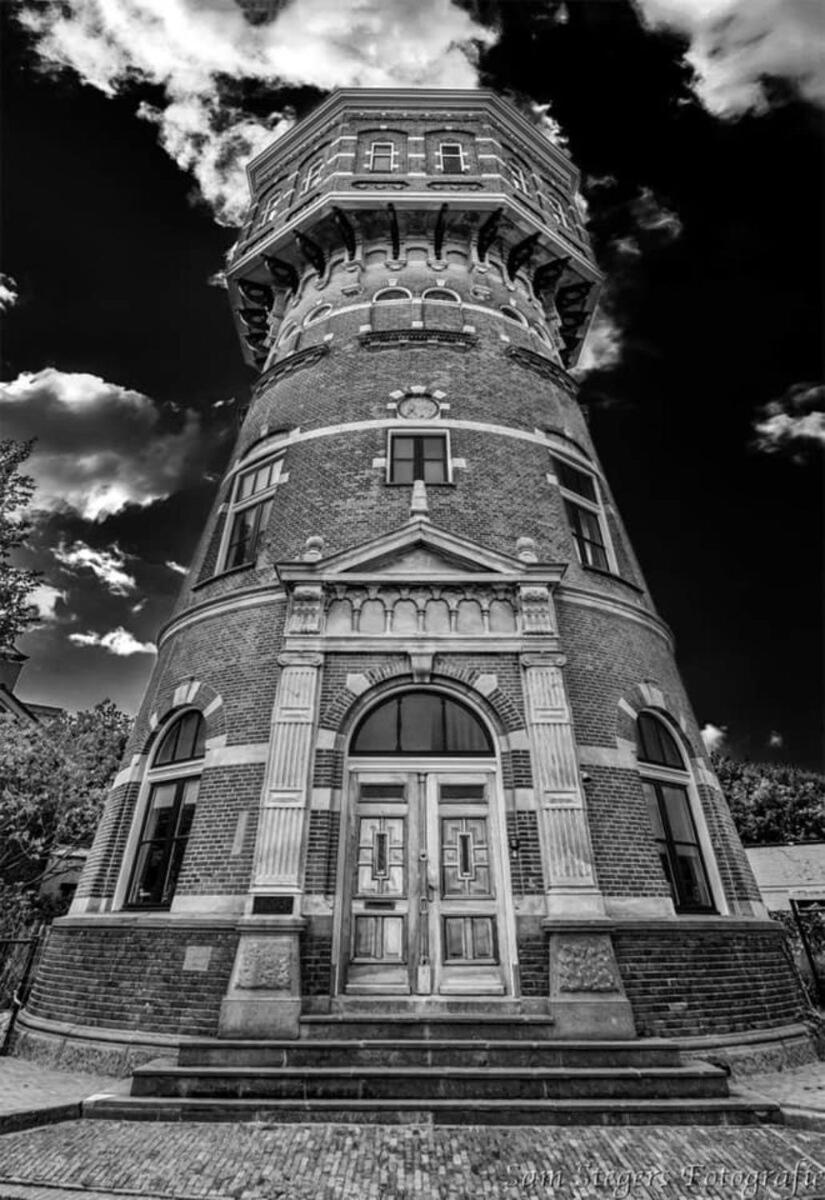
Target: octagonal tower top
x=438, y=164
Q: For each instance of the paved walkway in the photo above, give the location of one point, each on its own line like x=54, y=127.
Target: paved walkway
x=109, y=1159
x=32, y=1094
x=114, y=1160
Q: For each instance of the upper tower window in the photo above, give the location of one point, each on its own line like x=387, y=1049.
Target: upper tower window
x=250, y=511
x=665, y=782
x=582, y=504
x=451, y=158
x=518, y=177
x=174, y=779
x=391, y=294
x=418, y=456
x=318, y=314
x=445, y=295
x=382, y=156
x=513, y=315
x=312, y=176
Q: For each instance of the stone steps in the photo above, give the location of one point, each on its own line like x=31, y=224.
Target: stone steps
x=371, y=1026
x=167, y=1079
x=418, y=1052
x=720, y=1111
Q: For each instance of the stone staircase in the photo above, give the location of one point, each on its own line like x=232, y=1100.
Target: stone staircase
x=448, y=1070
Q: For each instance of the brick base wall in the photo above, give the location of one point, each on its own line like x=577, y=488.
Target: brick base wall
x=711, y=981
x=128, y=978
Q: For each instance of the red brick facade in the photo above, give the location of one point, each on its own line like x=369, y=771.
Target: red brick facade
x=500, y=611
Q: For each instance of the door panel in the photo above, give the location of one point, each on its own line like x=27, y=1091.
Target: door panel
x=425, y=913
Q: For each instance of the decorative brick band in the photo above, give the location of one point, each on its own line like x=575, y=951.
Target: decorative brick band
x=543, y=366
x=375, y=339
x=288, y=366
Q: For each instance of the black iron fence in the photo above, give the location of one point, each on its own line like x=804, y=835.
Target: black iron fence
x=18, y=961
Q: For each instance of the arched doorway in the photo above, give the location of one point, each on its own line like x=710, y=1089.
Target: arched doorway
x=427, y=908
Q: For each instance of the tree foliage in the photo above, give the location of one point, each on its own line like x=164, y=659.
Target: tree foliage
x=772, y=803
x=53, y=782
x=16, y=583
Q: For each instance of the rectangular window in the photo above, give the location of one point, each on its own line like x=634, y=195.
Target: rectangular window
x=517, y=177
x=163, y=842
x=584, y=513
x=383, y=157
x=312, y=177
x=418, y=456
x=451, y=158
x=271, y=206
x=251, y=509
x=675, y=833
x=587, y=535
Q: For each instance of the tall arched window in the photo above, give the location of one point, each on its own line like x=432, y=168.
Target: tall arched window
x=665, y=782
x=173, y=780
x=421, y=723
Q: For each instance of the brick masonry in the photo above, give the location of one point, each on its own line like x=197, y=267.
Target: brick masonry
x=501, y=379
x=712, y=981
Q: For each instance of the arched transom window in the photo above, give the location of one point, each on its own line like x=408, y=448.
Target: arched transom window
x=421, y=723
x=173, y=780
x=665, y=781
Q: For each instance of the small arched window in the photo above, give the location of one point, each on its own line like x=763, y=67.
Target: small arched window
x=666, y=784
x=318, y=314
x=391, y=294
x=173, y=781
x=512, y=315
x=445, y=295
x=421, y=723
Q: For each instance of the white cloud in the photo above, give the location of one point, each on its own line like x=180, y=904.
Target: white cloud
x=176, y=567
x=776, y=741
x=795, y=423
x=735, y=45
x=45, y=598
x=602, y=347
x=117, y=641
x=9, y=293
x=714, y=736
x=105, y=565
x=100, y=446
x=186, y=46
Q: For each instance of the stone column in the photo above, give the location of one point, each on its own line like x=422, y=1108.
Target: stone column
x=587, y=998
x=571, y=883
x=264, y=996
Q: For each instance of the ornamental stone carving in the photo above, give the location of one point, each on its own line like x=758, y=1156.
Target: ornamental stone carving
x=586, y=964
x=265, y=963
x=432, y=609
x=536, y=609
x=305, y=609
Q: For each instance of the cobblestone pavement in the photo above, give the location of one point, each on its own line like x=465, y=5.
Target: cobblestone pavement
x=113, y=1160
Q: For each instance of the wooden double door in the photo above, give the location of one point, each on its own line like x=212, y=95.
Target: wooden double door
x=427, y=910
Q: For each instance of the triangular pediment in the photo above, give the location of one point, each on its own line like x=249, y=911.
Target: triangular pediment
x=418, y=551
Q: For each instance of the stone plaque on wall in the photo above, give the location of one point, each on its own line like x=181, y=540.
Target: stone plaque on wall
x=197, y=958
x=265, y=963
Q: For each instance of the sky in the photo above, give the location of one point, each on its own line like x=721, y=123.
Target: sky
x=697, y=126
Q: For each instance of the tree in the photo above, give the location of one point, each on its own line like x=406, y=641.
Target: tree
x=772, y=803
x=16, y=583
x=53, y=783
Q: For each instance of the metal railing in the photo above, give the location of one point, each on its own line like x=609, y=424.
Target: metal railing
x=18, y=959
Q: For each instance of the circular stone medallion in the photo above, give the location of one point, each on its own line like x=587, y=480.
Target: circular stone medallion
x=419, y=407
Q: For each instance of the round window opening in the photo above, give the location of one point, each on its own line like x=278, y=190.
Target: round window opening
x=421, y=723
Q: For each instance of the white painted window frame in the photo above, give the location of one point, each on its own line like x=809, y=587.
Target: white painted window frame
x=236, y=506
x=598, y=508
x=312, y=176
x=152, y=775
x=371, y=153
x=462, y=157
x=685, y=779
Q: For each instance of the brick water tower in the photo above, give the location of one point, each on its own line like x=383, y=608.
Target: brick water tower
x=415, y=746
